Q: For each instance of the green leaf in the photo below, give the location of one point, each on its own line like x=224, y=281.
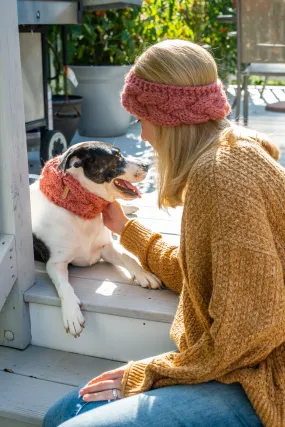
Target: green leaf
x=118, y=36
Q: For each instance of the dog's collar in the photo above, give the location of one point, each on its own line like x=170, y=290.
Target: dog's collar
x=65, y=191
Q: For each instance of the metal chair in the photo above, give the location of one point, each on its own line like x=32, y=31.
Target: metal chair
x=260, y=44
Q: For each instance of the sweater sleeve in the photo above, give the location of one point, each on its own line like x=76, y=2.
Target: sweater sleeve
x=247, y=305
x=154, y=254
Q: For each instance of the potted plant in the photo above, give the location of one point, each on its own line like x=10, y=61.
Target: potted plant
x=101, y=52
x=103, y=49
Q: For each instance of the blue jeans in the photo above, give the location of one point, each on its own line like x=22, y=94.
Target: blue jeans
x=209, y=404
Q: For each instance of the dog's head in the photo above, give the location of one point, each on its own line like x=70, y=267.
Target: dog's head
x=101, y=169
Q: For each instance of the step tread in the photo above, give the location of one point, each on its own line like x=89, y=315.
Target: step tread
x=101, y=294
x=45, y=375
x=105, y=288
x=54, y=365
x=28, y=399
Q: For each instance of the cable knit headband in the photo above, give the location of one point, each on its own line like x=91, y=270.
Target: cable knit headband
x=168, y=105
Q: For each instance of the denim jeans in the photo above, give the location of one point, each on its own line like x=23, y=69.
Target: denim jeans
x=209, y=404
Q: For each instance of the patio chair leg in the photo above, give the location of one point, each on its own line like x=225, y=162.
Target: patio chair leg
x=245, y=100
x=265, y=83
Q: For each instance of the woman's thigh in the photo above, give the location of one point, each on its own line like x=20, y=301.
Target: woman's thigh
x=68, y=407
x=71, y=405
x=202, y=405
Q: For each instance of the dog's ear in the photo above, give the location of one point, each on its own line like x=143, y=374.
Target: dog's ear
x=82, y=156
x=65, y=161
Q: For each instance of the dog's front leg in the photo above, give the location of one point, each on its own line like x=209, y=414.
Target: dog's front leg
x=73, y=319
x=115, y=254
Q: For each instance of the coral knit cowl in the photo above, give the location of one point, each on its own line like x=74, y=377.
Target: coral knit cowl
x=65, y=191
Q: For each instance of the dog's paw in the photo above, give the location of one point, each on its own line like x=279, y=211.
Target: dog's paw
x=129, y=209
x=73, y=319
x=148, y=280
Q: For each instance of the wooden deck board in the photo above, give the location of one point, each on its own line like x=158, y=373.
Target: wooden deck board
x=54, y=365
x=109, y=297
x=27, y=399
x=40, y=377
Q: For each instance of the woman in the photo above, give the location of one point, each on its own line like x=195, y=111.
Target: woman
x=230, y=324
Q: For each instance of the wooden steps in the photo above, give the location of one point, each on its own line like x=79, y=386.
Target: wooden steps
x=123, y=321
x=39, y=377
x=111, y=293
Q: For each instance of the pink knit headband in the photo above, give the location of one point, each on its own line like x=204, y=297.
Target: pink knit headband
x=174, y=105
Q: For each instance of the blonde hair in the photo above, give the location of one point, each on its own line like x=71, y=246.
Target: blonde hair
x=182, y=63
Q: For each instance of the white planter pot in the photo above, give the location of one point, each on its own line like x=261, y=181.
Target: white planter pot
x=102, y=113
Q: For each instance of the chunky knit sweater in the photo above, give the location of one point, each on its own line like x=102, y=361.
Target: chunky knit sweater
x=230, y=322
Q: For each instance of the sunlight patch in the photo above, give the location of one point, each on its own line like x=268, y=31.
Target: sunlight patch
x=106, y=289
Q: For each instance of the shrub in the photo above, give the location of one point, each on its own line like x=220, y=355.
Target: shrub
x=116, y=37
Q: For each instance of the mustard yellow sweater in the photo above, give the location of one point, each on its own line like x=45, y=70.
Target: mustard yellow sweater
x=230, y=322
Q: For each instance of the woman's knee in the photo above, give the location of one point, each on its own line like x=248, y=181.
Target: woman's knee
x=64, y=409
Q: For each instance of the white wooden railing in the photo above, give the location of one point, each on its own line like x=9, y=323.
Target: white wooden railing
x=16, y=254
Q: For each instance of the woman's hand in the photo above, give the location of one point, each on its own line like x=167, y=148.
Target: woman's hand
x=114, y=217
x=101, y=388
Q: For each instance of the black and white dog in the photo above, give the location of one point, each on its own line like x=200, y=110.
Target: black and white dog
x=62, y=237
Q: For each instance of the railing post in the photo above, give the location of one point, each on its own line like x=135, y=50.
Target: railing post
x=15, y=218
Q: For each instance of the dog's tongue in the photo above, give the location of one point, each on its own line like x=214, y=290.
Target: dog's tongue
x=128, y=185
